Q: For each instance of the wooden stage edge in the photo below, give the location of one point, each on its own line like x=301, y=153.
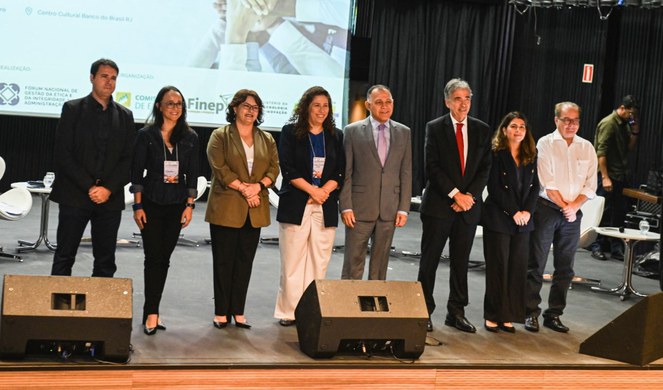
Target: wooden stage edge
x=332, y=378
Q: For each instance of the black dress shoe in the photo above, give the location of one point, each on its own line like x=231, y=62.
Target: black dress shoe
x=508, y=329
x=429, y=326
x=149, y=331
x=555, y=324
x=460, y=322
x=219, y=324
x=286, y=322
x=532, y=324
x=489, y=328
x=598, y=255
x=160, y=325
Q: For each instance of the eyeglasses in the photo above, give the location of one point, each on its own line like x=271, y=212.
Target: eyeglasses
x=569, y=121
x=171, y=105
x=249, y=107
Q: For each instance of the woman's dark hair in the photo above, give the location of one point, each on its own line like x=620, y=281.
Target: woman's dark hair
x=239, y=98
x=299, y=116
x=527, y=151
x=156, y=117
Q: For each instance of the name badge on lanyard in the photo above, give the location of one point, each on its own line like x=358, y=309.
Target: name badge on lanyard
x=171, y=170
x=318, y=166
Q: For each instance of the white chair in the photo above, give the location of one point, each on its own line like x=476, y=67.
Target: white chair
x=14, y=205
x=592, y=211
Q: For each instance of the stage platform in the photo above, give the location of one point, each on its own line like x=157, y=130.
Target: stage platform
x=192, y=343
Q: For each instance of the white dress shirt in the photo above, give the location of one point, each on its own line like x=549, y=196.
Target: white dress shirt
x=569, y=169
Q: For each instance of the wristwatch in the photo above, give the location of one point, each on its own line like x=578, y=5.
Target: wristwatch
x=262, y=185
x=192, y=205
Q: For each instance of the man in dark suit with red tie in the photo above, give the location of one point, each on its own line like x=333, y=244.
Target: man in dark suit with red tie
x=457, y=163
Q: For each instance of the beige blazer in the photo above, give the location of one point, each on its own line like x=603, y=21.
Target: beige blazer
x=225, y=153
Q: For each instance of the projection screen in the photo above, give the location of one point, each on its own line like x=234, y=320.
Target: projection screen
x=47, y=47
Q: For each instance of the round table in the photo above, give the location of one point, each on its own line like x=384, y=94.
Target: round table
x=44, y=193
x=630, y=237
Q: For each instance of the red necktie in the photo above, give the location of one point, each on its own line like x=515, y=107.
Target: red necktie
x=461, y=146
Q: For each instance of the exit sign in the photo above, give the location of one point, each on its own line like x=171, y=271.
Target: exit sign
x=588, y=73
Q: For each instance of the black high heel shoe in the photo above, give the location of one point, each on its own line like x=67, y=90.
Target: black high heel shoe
x=219, y=324
x=243, y=325
x=489, y=328
x=149, y=331
x=508, y=329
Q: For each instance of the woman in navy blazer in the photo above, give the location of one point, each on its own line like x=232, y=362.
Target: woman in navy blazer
x=513, y=188
x=313, y=165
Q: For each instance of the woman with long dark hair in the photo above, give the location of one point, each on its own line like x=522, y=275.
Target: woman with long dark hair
x=513, y=188
x=164, y=174
x=313, y=166
x=244, y=162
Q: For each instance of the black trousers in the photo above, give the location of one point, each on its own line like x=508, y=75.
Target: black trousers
x=434, y=236
x=71, y=226
x=233, y=250
x=506, y=275
x=551, y=228
x=160, y=234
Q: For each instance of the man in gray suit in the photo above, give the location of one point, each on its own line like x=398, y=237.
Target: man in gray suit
x=375, y=197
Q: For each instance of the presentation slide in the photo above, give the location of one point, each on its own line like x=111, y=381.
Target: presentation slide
x=208, y=49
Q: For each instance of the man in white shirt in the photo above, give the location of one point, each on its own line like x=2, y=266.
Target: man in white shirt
x=567, y=172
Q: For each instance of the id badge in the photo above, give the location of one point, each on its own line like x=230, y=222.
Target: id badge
x=171, y=171
x=318, y=166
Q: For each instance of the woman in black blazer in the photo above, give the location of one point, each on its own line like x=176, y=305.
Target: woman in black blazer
x=313, y=165
x=164, y=177
x=513, y=188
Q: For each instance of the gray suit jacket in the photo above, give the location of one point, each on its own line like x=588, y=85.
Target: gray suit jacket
x=369, y=189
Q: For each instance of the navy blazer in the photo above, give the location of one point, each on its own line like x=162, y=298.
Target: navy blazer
x=442, y=164
x=75, y=157
x=503, y=198
x=295, y=162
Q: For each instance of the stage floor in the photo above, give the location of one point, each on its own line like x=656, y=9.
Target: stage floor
x=192, y=341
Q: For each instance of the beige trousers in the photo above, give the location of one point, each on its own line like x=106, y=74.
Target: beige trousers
x=305, y=253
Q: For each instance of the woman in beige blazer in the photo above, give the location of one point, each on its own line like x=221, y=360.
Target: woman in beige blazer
x=244, y=162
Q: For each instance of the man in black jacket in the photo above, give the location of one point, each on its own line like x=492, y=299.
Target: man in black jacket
x=93, y=145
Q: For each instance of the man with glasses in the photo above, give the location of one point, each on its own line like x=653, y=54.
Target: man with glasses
x=93, y=145
x=376, y=192
x=567, y=175
x=616, y=135
x=457, y=158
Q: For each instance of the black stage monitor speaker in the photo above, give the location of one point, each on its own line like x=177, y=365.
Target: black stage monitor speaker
x=337, y=314
x=66, y=315
x=633, y=337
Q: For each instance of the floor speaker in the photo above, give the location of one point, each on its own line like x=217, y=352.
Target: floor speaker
x=66, y=315
x=633, y=337
x=335, y=313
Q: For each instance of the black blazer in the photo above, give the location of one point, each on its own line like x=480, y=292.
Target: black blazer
x=75, y=159
x=295, y=161
x=504, y=200
x=442, y=167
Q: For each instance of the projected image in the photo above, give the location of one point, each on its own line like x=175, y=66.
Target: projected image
x=305, y=37
x=208, y=48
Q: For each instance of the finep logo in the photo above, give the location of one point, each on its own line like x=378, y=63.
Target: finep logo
x=9, y=94
x=123, y=98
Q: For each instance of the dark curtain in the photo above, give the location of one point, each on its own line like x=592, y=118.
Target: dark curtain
x=639, y=71
x=551, y=48
x=418, y=46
